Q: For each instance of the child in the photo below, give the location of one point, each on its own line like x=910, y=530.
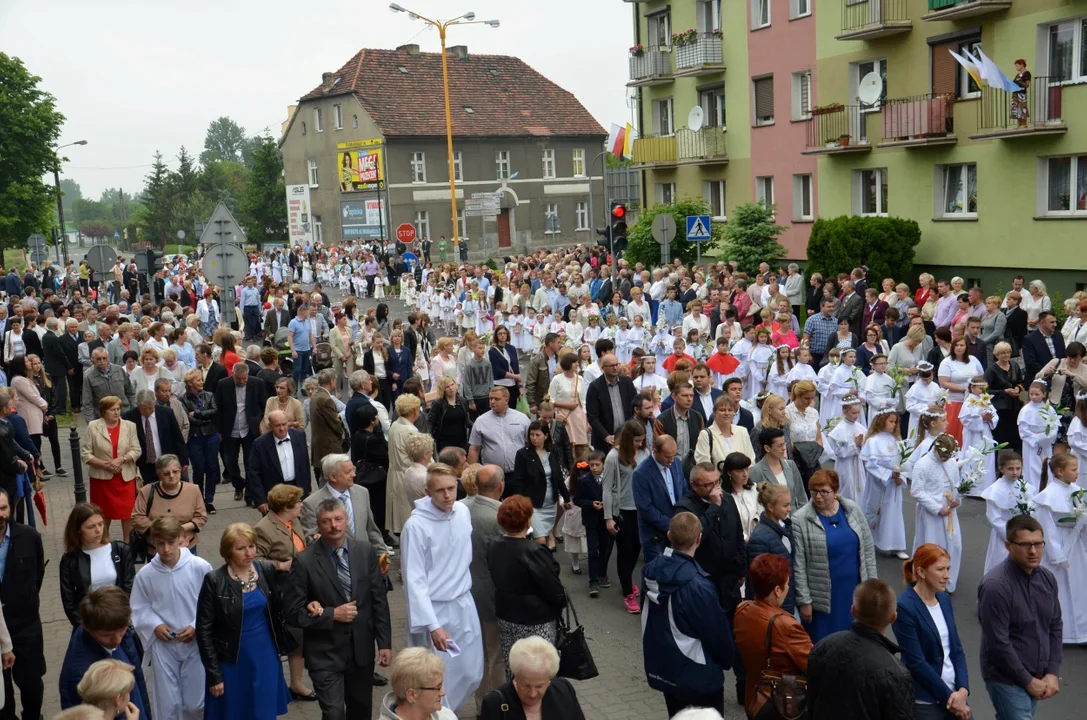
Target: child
x=678, y=353
x=828, y=409
x=1038, y=431
x=573, y=530
x=662, y=345
x=784, y=335
x=694, y=345
x=978, y=418
x=469, y=311
x=933, y=424
x=574, y=330
x=1065, y=554
x=485, y=321
x=883, y=493
x=845, y=441
x=1077, y=437
x=517, y=326
x=759, y=361
x=592, y=333
x=477, y=379
x=803, y=369
x=936, y=479
x=878, y=387
x=724, y=364
x=540, y=328
x=622, y=342
x=921, y=394
x=846, y=380
x=637, y=336
x=1004, y=499
x=164, y=596
x=447, y=306
x=778, y=372
x=589, y=496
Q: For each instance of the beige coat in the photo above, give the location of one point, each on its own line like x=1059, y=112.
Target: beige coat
x=397, y=507
x=30, y=403
x=1056, y=385
x=96, y=444
x=294, y=413
x=274, y=541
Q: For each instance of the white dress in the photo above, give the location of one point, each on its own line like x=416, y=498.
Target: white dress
x=932, y=482
x=1077, y=442
x=883, y=496
x=1001, y=501
x=1038, y=439
x=978, y=432
x=801, y=371
x=842, y=446
x=877, y=392
x=778, y=382
x=920, y=395
x=1065, y=555
x=758, y=363
x=822, y=386
x=847, y=380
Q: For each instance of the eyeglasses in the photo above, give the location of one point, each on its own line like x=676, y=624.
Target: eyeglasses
x=707, y=485
x=821, y=491
x=1027, y=546
x=433, y=689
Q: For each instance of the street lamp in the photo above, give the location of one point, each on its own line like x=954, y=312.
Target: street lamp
x=60, y=205
x=467, y=18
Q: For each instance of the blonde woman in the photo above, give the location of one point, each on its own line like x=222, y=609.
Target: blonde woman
x=443, y=364
x=110, y=450
x=343, y=358
x=144, y=377
x=108, y=685
x=772, y=417
x=398, y=508
x=420, y=449
x=285, y=401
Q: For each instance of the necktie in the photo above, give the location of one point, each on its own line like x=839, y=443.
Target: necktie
x=150, y=439
x=346, y=498
x=343, y=573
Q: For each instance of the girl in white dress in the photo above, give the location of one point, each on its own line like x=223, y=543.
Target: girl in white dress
x=540, y=329
x=345, y=279
x=277, y=270
x=936, y=479
x=380, y=281
x=803, y=369
x=592, y=333
x=759, y=362
x=1038, y=429
x=1009, y=496
x=883, y=492
x=645, y=376
x=926, y=391
x=777, y=375
x=846, y=380
x=828, y=409
x=933, y=424
x=695, y=348
x=623, y=348
x=574, y=331
x=662, y=343
x=447, y=307
x=1065, y=552
x=844, y=444
x=978, y=421
x=637, y=336
x=469, y=309
x=485, y=322
x=516, y=324
x=1077, y=437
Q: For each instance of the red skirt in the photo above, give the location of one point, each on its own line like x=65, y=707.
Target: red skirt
x=116, y=497
x=954, y=425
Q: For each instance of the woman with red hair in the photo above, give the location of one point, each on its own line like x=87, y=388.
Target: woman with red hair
x=925, y=630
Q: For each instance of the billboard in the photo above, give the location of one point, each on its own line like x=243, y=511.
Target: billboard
x=361, y=166
x=363, y=219
x=299, y=218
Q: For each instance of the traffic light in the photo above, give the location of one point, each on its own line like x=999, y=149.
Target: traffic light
x=605, y=236
x=619, y=227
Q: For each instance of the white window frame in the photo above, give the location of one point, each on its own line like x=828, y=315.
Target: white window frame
x=549, y=164
x=337, y=116
x=879, y=178
x=462, y=224
x=761, y=121
x=658, y=127
x=1075, y=191
x=355, y=121
x=458, y=167
x=964, y=77
x=714, y=193
x=665, y=193
x=803, y=194
x=311, y=168
x=318, y=230
x=713, y=107
x=318, y=120
x=422, y=223
x=581, y=215
x=1079, y=36
x=660, y=30
x=764, y=189
x=502, y=167
x=551, y=210
x=801, y=111
x=878, y=65
x=579, y=162
x=418, y=168
x=759, y=10
x=709, y=10
x=799, y=8
x=958, y=174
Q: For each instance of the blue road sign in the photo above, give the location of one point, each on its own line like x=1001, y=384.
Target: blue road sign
x=698, y=228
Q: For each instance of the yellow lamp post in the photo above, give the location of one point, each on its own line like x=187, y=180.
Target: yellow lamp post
x=468, y=18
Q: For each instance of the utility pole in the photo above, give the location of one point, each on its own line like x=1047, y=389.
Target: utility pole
x=61, y=236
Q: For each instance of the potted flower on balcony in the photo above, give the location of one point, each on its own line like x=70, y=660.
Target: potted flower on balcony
x=827, y=109
x=831, y=142
x=687, y=37
x=638, y=50
x=719, y=33
x=843, y=140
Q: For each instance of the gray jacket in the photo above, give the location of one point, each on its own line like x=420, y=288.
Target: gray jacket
x=619, y=484
x=811, y=572
x=760, y=472
x=485, y=528
x=97, y=386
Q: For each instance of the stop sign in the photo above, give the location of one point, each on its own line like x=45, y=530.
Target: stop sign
x=405, y=233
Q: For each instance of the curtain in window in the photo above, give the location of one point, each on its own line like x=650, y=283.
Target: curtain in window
x=1060, y=183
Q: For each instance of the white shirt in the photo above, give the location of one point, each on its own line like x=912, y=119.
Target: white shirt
x=103, y=572
x=707, y=403
x=947, y=672
x=285, y=451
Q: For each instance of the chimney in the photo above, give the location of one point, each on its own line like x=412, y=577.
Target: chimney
x=411, y=49
x=461, y=51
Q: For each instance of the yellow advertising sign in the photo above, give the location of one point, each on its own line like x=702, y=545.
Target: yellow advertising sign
x=361, y=166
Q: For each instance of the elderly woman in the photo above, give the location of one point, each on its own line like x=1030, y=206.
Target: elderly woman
x=284, y=401
x=420, y=450
x=1067, y=376
x=535, y=691
x=107, y=687
x=833, y=552
x=279, y=541
x=144, y=377
x=925, y=294
x=203, y=443
x=173, y=498
x=1005, y=380
x=417, y=692
x=407, y=410
x=785, y=648
x=1035, y=301
x=90, y=560
x=110, y=450
x=722, y=437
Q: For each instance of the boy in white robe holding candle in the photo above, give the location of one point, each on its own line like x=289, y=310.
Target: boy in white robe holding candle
x=1062, y=513
x=883, y=493
x=935, y=486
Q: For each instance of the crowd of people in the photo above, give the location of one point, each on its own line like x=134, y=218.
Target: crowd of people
x=750, y=436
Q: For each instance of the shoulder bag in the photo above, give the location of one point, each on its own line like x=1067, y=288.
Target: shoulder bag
x=575, y=660
x=785, y=695
x=138, y=541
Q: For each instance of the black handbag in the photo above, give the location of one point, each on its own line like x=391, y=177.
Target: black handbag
x=575, y=660
x=137, y=541
x=787, y=694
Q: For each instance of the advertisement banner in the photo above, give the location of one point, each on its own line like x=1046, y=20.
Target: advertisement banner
x=363, y=219
x=361, y=166
x=299, y=221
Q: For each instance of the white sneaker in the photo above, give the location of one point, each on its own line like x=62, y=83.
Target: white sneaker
x=901, y=555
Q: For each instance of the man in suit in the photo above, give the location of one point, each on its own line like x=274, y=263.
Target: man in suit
x=252, y=359
x=1042, y=345
x=275, y=318
x=102, y=380
x=681, y=423
x=851, y=308
x=734, y=388
x=278, y=456
x=705, y=394
x=658, y=486
x=336, y=597
x=58, y=365
x=875, y=310
x=212, y=371
x=165, y=438
x=341, y=486
x=608, y=403
x=69, y=345
x=20, y=586
x=483, y=509
x=328, y=430
x=239, y=429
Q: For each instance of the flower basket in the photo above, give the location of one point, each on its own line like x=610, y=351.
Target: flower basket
x=827, y=109
x=843, y=141
x=637, y=51
x=687, y=37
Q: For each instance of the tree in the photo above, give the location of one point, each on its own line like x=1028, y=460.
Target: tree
x=70, y=192
x=159, y=197
x=29, y=127
x=643, y=248
x=263, y=204
x=188, y=202
x=223, y=141
x=750, y=236
x=223, y=182
x=95, y=229
x=885, y=244
x=250, y=148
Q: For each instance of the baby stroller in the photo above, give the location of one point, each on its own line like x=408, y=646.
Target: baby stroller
x=322, y=357
x=283, y=348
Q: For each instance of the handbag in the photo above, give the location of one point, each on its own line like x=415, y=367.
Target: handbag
x=575, y=660
x=786, y=694
x=137, y=541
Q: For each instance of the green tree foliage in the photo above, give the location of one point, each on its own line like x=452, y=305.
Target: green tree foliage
x=643, y=248
x=70, y=192
x=263, y=203
x=95, y=229
x=158, y=194
x=751, y=236
x=224, y=140
x=29, y=127
x=224, y=182
x=885, y=244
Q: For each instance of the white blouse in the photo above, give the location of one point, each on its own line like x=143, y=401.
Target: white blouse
x=562, y=388
x=959, y=373
x=803, y=427
x=103, y=572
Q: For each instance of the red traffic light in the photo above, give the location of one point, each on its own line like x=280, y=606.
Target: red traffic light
x=618, y=211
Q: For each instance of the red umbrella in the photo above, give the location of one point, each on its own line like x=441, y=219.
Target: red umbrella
x=39, y=502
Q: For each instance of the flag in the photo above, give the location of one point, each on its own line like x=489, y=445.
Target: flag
x=995, y=75
x=621, y=141
x=973, y=70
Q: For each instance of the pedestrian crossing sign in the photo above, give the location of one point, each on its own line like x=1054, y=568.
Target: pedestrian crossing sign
x=698, y=228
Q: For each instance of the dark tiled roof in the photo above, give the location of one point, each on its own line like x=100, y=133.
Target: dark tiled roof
x=507, y=97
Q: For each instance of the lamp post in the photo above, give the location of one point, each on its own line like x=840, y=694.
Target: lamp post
x=468, y=18
x=61, y=236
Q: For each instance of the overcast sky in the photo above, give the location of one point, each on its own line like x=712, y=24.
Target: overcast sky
x=133, y=77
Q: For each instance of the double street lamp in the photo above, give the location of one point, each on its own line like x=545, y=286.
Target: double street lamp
x=62, y=236
x=468, y=18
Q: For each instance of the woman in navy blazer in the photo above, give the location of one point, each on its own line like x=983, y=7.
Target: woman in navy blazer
x=398, y=367
x=504, y=365
x=938, y=695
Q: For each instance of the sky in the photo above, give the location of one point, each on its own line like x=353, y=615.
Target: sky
x=133, y=77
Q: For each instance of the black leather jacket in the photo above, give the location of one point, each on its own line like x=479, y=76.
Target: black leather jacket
x=75, y=576
x=219, y=617
x=204, y=413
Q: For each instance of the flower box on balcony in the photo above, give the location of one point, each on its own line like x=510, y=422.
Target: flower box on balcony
x=827, y=109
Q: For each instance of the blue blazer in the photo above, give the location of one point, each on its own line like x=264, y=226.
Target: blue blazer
x=83, y=651
x=499, y=366
x=400, y=363
x=655, y=509
x=922, y=652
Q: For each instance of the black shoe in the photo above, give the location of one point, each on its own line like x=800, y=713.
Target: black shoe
x=303, y=698
x=210, y=507
x=238, y=496
x=576, y=569
x=605, y=582
x=46, y=475
x=594, y=589
x=61, y=472
x=380, y=680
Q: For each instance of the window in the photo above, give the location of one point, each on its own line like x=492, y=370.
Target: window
x=318, y=229
x=579, y=162
x=548, y=164
x=337, y=116
x=862, y=69
x=582, y=215
x=502, y=164
x=760, y=14
x=799, y=8
x=712, y=101
x=665, y=193
x=469, y=109
x=709, y=15
x=802, y=95
x=660, y=29
x=662, y=117
x=966, y=85
x=318, y=120
x=418, y=167
x=422, y=223
x=764, y=190
x=764, y=101
x=458, y=167
x=462, y=224
x=803, y=200
x=1066, y=185
x=1068, y=51
x=312, y=166
x=957, y=186
x=303, y=127
x=871, y=189
x=713, y=192
x=355, y=121
x=551, y=218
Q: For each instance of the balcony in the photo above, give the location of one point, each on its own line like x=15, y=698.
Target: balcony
x=1035, y=111
x=837, y=130
x=959, y=9
x=873, y=19
x=920, y=121
x=649, y=67
x=699, y=55
x=655, y=151
x=701, y=147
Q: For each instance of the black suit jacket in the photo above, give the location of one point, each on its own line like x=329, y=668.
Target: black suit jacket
x=598, y=408
x=265, y=471
x=1036, y=352
x=215, y=373
x=170, y=439
x=852, y=309
x=276, y=319
x=329, y=645
x=722, y=553
x=1016, y=327
x=666, y=424
x=55, y=360
x=70, y=347
x=745, y=419
x=256, y=396
x=20, y=588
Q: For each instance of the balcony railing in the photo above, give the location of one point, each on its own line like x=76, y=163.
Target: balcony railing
x=703, y=51
x=650, y=65
x=706, y=145
x=655, y=150
x=956, y=9
x=871, y=19
x=918, y=120
x=1034, y=111
x=837, y=129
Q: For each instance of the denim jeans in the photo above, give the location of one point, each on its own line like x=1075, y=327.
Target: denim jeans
x=600, y=543
x=302, y=368
x=1011, y=702
x=204, y=458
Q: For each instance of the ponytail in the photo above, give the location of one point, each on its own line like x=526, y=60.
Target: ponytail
x=924, y=557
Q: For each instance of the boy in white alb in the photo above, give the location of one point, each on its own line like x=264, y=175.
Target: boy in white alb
x=1063, y=517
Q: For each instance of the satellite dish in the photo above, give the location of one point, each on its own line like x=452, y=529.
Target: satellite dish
x=695, y=118
x=870, y=89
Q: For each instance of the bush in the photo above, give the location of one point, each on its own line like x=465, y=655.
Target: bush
x=885, y=244
x=643, y=248
x=178, y=249
x=750, y=236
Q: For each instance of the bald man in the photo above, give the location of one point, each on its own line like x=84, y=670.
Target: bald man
x=278, y=456
x=658, y=485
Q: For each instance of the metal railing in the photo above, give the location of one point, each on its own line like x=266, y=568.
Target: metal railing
x=917, y=117
x=863, y=13
x=1037, y=105
x=655, y=149
x=708, y=143
x=704, y=50
x=935, y=5
x=650, y=63
x=840, y=127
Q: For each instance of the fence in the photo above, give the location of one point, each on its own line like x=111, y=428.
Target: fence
x=704, y=144
x=857, y=15
x=840, y=126
x=704, y=50
x=917, y=116
x=650, y=63
x=1037, y=105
